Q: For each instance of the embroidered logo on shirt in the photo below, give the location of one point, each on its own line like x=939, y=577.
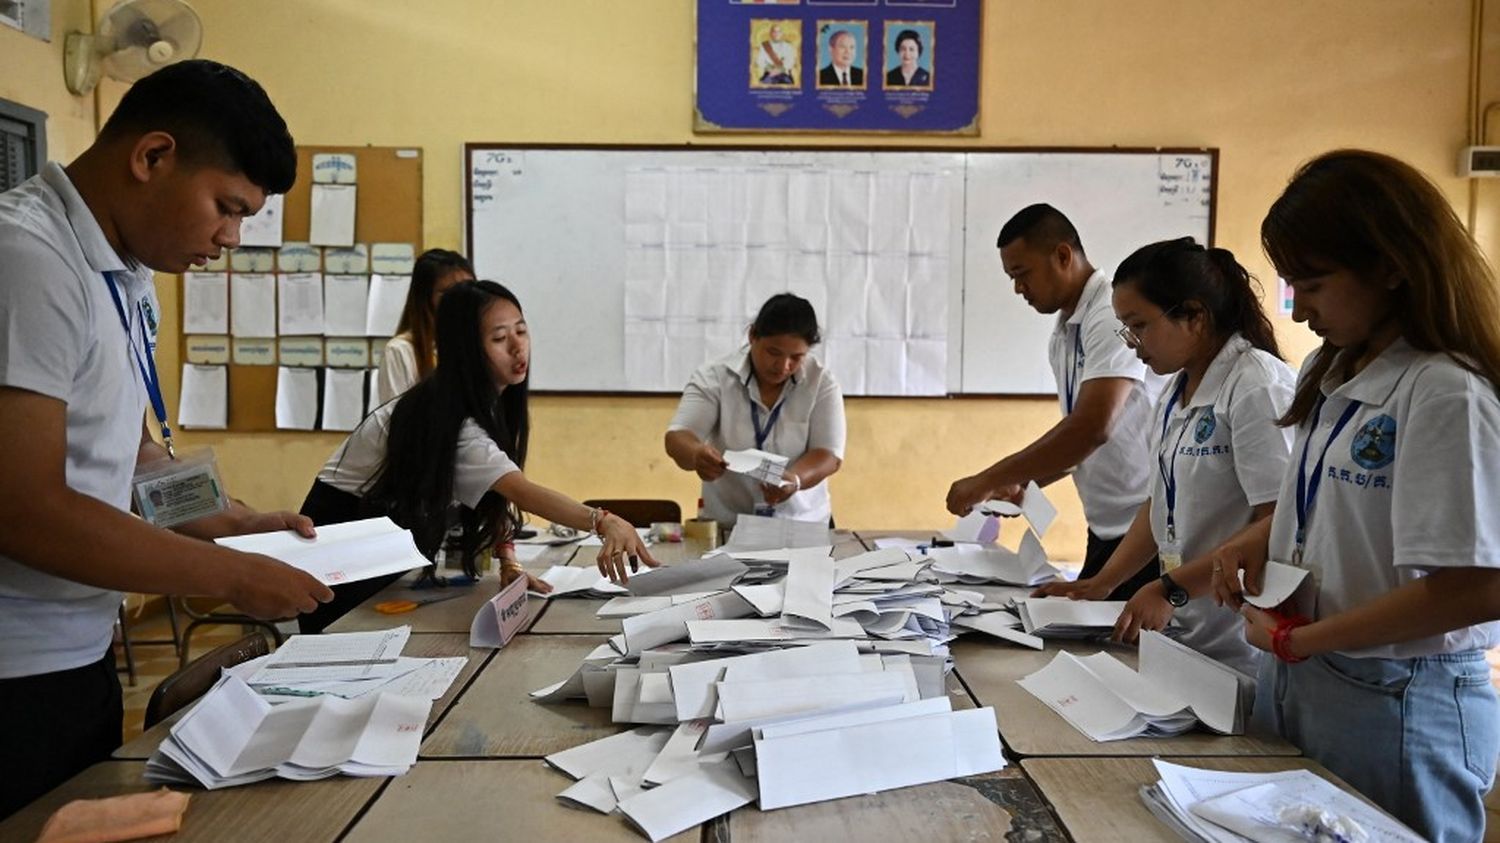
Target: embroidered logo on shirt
x=1375, y=444
x=1205, y=426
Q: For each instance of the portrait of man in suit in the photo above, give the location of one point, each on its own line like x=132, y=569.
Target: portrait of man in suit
x=907, y=60
x=845, y=64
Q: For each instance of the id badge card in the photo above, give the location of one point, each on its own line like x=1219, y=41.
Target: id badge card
x=1170, y=553
x=171, y=492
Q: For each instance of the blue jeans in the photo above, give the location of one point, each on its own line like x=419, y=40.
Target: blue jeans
x=1419, y=737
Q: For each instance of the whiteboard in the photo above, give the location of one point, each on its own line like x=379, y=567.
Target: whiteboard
x=554, y=224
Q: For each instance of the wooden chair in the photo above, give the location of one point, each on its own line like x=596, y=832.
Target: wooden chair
x=191, y=682
x=640, y=512
x=198, y=619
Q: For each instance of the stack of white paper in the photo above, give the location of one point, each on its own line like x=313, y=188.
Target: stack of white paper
x=757, y=532
x=1217, y=806
x=973, y=564
x=1175, y=689
x=763, y=466
x=233, y=736
x=357, y=550
x=571, y=581
x=1062, y=617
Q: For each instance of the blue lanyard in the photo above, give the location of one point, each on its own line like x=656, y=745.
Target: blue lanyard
x=763, y=433
x=1070, y=384
x=147, y=365
x=1307, y=490
x=1169, y=469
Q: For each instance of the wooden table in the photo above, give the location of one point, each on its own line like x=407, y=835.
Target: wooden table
x=1028, y=727
x=422, y=645
x=496, y=717
x=995, y=806
x=273, y=811
x=1099, y=800
x=501, y=799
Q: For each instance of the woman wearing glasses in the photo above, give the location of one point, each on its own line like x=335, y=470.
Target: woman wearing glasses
x=1219, y=452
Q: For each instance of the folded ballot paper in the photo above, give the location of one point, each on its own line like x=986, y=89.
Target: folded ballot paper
x=1062, y=617
x=234, y=736
x=763, y=466
x=350, y=552
x=1174, y=689
x=578, y=581
x=785, y=726
x=348, y=665
x=982, y=524
x=1218, y=806
x=975, y=564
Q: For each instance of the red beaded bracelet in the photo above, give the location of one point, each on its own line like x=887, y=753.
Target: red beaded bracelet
x=1281, y=639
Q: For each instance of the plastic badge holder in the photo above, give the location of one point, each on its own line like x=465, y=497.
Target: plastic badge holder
x=170, y=492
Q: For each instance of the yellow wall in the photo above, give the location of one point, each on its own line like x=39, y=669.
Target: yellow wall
x=31, y=74
x=1269, y=83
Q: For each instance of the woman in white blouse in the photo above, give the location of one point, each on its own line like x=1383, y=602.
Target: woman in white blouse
x=771, y=395
x=412, y=353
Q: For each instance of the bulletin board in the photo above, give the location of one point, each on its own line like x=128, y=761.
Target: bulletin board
x=388, y=210
x=674, y=249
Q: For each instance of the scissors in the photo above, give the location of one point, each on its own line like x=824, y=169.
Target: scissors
x=396, y=607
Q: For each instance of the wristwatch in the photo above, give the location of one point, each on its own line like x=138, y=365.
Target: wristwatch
x=1176, y=594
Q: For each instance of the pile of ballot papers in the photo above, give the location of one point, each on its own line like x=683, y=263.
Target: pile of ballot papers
x=348, y=665
x=318, y=706
x=784, y=727
x=1175, y=689
x=775, y=672
x=234, y=736
x=1217, y=806
x=341, y=553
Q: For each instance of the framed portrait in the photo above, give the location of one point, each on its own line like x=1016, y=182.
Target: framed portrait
x=910, y=48
x=843, y=52
x=775, y=53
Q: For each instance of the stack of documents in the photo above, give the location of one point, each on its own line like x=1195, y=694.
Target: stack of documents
x=763, y=466
x=1063, y=617
x=1216, y=806
x=758, y=532
x=791, y=725
x=347, y=665
x=234, y=736
x=975, y=564
x=579, y=581
x=357, y=550
x=1175, y=688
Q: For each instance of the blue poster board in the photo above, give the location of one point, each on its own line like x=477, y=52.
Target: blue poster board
x=838, y=66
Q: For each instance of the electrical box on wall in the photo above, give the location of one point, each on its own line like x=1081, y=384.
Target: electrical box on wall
x=34, y=17
x=1479, y=162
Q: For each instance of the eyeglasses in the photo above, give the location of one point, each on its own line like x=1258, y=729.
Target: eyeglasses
x=1133, y=338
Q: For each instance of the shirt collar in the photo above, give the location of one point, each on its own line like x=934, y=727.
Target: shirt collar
x=1218, y=371
x=101, y=256
x=1378, y=380
x=1096, y=286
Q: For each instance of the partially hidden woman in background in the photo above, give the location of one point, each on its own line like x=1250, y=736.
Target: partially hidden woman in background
x=412, y=353
x=450, y=452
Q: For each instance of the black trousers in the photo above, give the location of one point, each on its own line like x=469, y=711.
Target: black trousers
x=326, y=505
x=1098, y=552
x=55, y=725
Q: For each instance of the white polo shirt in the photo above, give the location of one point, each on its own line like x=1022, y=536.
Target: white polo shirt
x=62, y=337
x=1112, y=481
x=715, y=406
x=479, y=462
x=1227, y=455
x=1409, y=485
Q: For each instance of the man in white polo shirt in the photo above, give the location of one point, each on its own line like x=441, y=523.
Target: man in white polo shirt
x=1104, y=433
x=190, y=151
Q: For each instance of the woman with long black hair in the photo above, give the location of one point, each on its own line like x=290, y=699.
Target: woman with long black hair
x=450, y=451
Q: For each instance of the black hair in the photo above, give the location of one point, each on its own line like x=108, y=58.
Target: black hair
x=1042, y=227
x=909, y=35
x=217, y=115
x=415, y=482
x=1172, y=273
x=787, y=314
x=419, y=317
